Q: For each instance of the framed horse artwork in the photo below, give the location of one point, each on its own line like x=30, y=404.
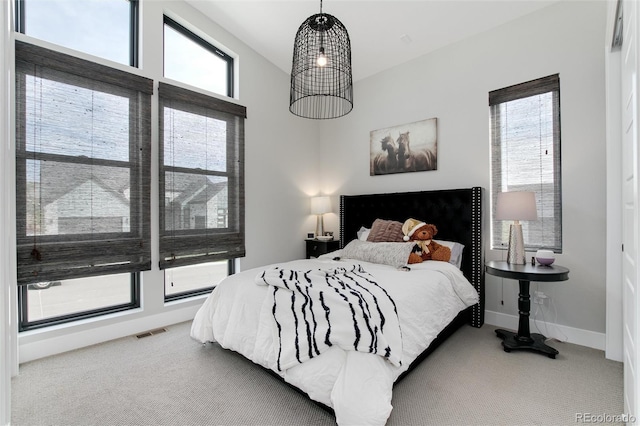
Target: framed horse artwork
x=411, y=147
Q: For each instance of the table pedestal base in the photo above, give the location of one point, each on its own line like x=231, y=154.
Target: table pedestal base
x=535, y=343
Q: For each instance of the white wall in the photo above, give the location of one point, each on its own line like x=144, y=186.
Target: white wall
x=452, y=84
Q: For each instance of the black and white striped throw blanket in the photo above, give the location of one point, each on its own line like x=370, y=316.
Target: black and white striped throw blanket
x=318, y=308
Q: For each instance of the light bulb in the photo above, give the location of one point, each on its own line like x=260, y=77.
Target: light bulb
x=321, y=61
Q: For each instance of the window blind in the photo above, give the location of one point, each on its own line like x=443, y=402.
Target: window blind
x=525, y=156
x=201, y=178
x=82, y=167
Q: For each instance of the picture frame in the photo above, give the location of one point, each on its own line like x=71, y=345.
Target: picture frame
x=411, y=147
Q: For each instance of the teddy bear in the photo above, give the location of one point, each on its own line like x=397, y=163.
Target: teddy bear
x=426, y=248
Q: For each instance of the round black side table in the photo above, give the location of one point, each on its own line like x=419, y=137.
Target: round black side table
x=523, y=339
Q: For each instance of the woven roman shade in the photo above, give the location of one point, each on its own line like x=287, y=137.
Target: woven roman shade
x=525, y=156
x=82, y=167
x=201, y=178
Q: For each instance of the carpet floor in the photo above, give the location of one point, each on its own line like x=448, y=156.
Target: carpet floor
x=169, y=379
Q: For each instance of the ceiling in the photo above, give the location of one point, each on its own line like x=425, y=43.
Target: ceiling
x=383, y=33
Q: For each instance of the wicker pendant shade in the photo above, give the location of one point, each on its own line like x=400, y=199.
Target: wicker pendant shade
x=321, y=82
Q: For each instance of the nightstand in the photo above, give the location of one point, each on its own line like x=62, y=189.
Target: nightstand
x=316, y=248
x=523, y=339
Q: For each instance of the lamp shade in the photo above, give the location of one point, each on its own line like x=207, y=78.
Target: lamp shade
x=516, y=205
x=320, y=205
x=321, y=81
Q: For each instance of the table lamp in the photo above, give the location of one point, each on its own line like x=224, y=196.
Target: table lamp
x=320, y=206
x=516, y=206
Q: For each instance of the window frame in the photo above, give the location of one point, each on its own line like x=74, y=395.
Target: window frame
x=181, y=29
x=135, y=288
x=231, y=269
x=204, y=44
x=540, y=86
x=134, y=27
x=23, y=308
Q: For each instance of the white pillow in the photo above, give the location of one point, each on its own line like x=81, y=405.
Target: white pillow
x=456, y=251
x=363, y=233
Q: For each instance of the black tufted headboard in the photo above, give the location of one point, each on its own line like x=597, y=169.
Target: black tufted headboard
x=457, y=213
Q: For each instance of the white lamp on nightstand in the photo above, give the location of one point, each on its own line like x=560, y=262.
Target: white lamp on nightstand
x=320, y=206
x=516, y=206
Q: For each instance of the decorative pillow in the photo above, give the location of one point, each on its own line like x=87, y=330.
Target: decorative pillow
x=456, y=251
x=386, y=231
x=393, y=254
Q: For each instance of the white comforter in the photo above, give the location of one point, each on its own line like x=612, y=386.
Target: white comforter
x=356, y=385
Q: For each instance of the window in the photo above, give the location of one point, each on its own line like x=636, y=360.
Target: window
x=194, y=160
x=104, y=28
x=189, y=280
x=83, y=164
x=525, y=156
x=201, y=178
x=54, y=302
x=82, y=170
x=209, y=67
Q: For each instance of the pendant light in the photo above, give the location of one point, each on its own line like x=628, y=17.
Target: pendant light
x=321, y=82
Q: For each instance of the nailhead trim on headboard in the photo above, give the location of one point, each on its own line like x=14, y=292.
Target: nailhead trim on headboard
x=342, y=242
x=477, y=255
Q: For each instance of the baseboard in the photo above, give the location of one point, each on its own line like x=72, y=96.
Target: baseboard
x=37, y=345
x=577, y=336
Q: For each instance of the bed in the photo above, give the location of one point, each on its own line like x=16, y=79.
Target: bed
x=281, y=316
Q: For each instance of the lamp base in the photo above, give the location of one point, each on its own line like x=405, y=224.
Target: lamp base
x=515, y=254
x=319, y=226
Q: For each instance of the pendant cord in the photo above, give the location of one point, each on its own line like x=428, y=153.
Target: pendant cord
x=321, y=7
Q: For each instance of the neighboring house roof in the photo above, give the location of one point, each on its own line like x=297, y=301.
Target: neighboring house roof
x=198, y=192
x=54, y=184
